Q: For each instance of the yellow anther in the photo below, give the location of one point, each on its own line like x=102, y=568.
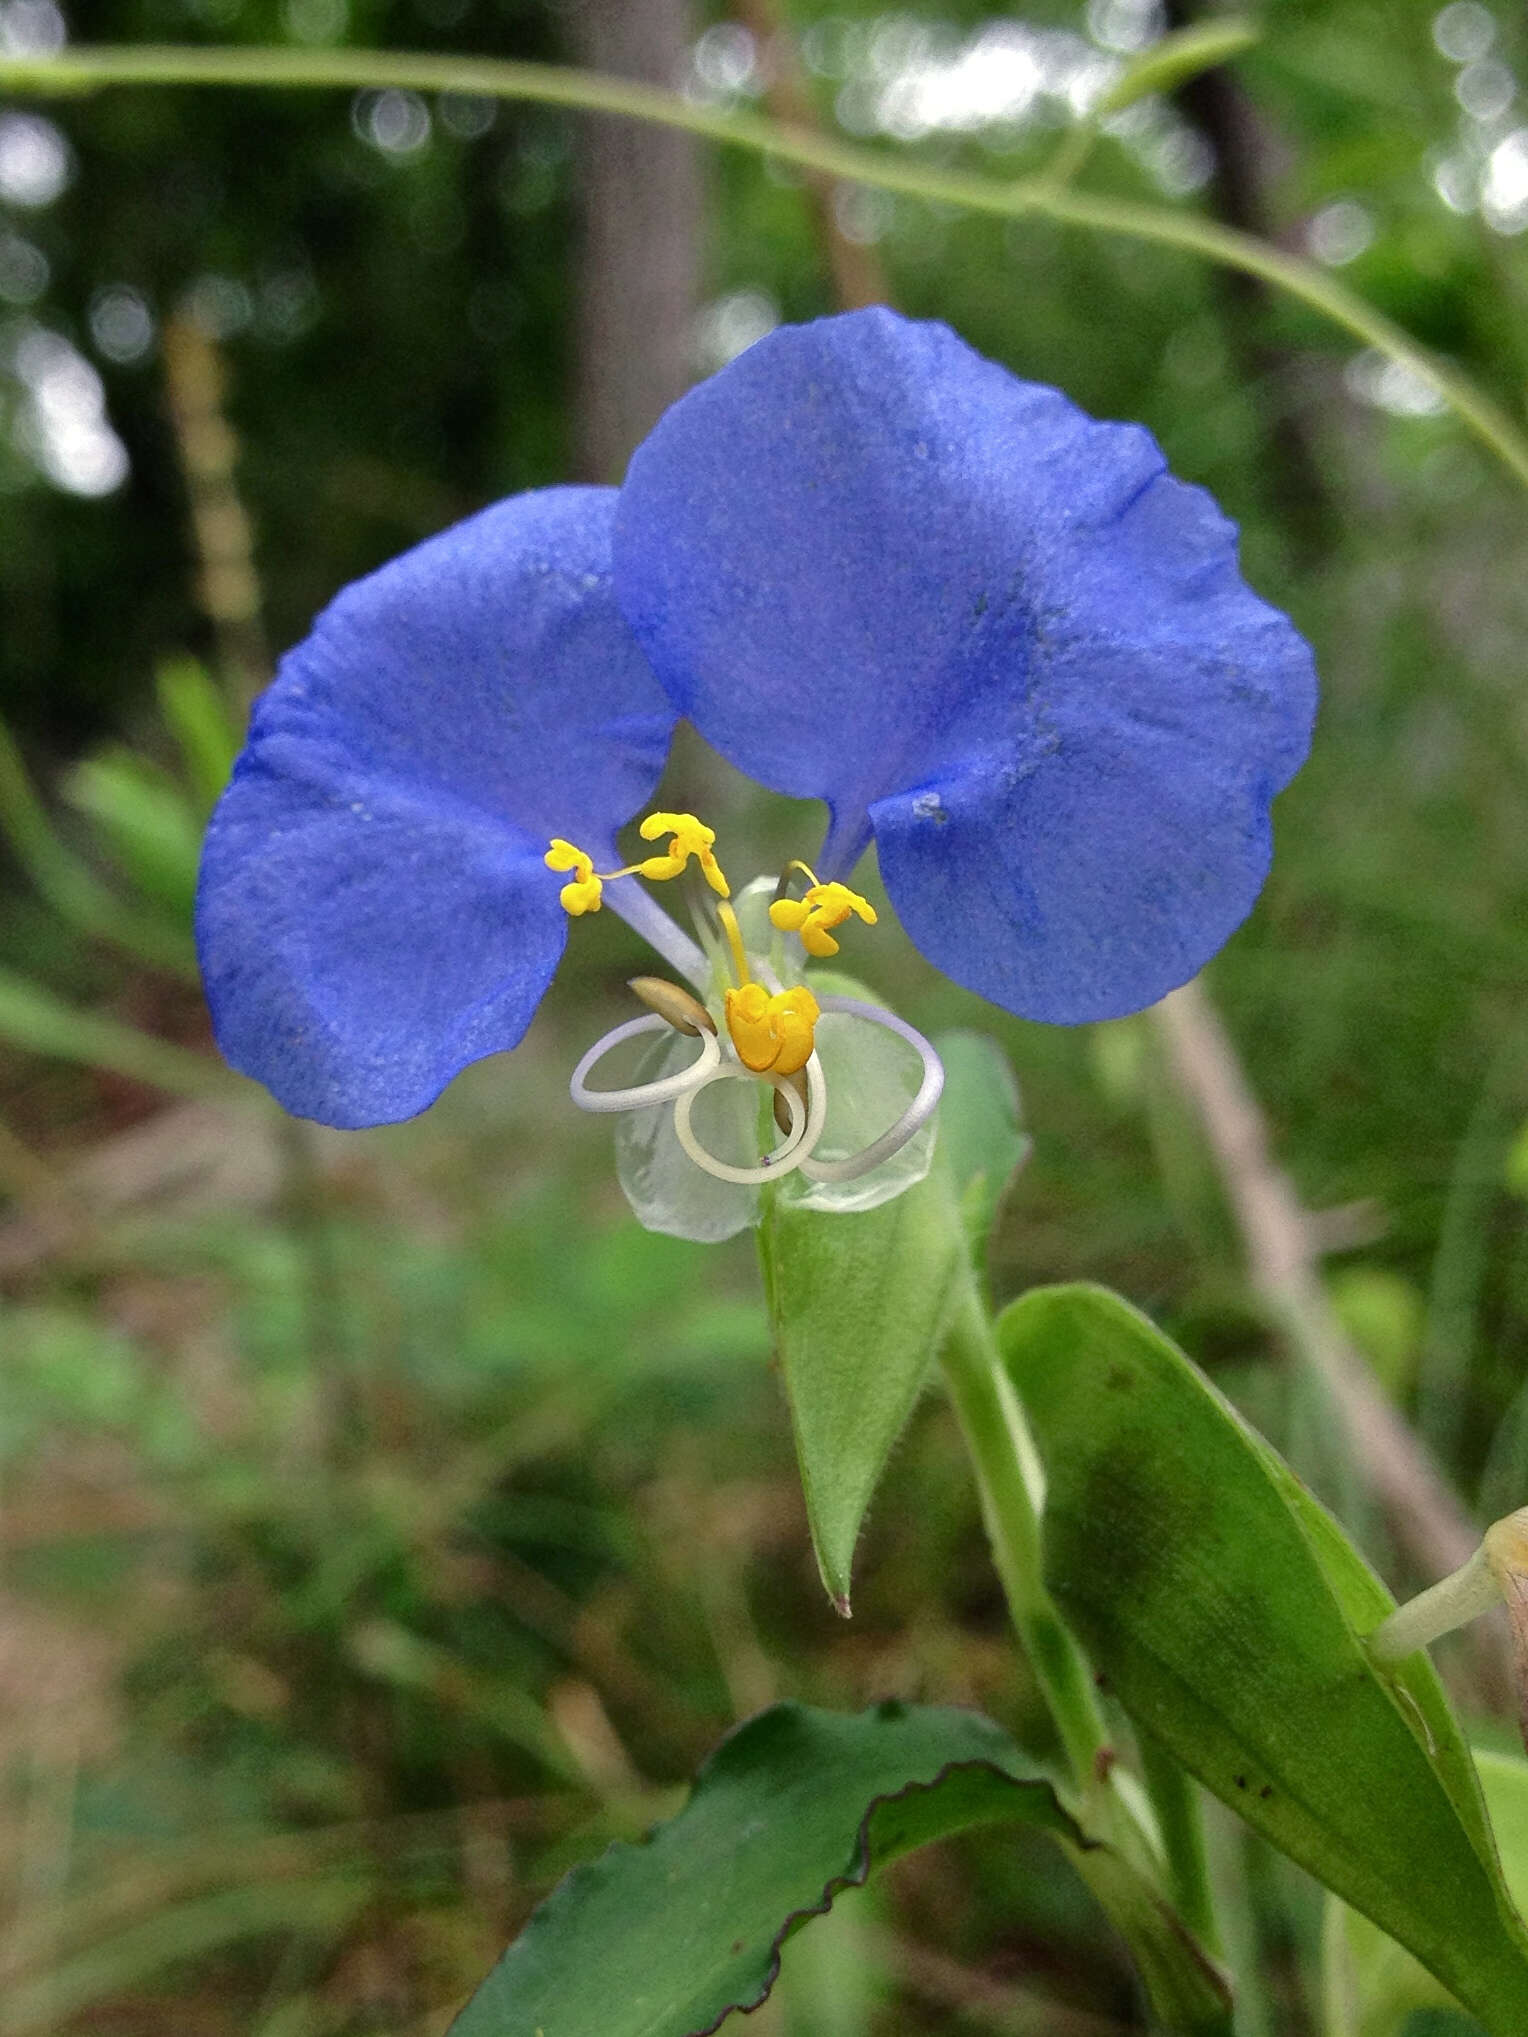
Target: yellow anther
x=583, y=894
x=687, y=837
x=773, y=1035
x=821, y=907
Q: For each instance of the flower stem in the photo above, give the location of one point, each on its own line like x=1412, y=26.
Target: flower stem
x=1010, y=1482
x=83, y=69
x=1460, y=1597
x=1180, y=1823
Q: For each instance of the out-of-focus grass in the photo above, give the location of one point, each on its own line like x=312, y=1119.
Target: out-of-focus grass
x=404, y=1544
x=394, y=1527
x=388, y=1521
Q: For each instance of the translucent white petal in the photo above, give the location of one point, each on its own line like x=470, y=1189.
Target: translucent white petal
x=665, y=1188
x=872, y=1077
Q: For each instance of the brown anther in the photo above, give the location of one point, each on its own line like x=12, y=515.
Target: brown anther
x=782, y=1108
x=684, y=1012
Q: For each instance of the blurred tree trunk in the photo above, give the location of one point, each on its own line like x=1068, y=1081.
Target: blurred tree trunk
x=855, y=267
x=639, y=265
x=1215, y=103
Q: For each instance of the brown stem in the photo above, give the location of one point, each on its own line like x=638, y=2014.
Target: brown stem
x=858, y=276
x=642, y=201
x=1215, y=103
x=1425, y=1516
x=228, y=586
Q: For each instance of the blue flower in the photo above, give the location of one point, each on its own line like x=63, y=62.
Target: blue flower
x=374, y=911
x=997, y=638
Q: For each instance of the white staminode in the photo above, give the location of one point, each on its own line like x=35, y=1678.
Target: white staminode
x=912, y=1120
x=667, y=1090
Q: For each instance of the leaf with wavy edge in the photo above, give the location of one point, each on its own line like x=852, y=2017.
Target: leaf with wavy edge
x=666, y=1938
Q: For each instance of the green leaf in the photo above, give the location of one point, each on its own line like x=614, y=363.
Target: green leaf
x=980, y=1130
x=1176, y=58
x=393, y=1655
x=148, y=822
x=664, y=1939
x=196, y=714
x=34, y=1019
x=1225, y=1608
x=1371, y=1984
x=1189, y=1995
x=69, y=884
x=858, y=1305
x=124, y=1962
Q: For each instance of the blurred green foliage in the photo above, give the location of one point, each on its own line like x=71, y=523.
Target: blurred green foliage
x=388, y=1521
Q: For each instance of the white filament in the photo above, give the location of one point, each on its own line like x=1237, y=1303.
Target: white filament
x=917, y=1113
x=645, y=916
x=665, y=1090
x=807, y=1121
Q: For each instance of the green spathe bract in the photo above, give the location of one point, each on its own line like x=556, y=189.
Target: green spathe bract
x=859, y=1305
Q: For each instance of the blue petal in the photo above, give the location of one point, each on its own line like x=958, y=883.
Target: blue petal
x=876, y=569
x=373, y=911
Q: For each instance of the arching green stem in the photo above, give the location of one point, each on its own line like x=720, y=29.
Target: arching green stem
x=1008, y=1477
x=84, y=69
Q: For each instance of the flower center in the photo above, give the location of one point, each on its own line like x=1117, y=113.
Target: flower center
x=772, y=1030
x=771, y=1026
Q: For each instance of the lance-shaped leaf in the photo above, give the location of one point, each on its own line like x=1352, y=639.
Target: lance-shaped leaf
x=32, y=1018
x=1226, y=1609
x=666, y=1938
x=859, y=1304
x=1370, y=1985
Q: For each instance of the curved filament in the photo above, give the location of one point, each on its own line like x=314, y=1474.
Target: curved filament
x=912, y=1120
x=667, y=1089
x=807, y=1121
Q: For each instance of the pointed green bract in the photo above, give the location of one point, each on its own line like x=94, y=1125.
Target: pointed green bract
x=858, y=1305
x=1225, y=1609
x=664, y=1939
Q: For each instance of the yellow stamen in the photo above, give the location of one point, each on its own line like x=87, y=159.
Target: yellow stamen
x=687, y=837
x=772, y=1034
x=583, y=894
x=734, y=935
x=822, y=906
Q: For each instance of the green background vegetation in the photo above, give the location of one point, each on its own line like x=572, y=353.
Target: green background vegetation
x=387, y=1521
